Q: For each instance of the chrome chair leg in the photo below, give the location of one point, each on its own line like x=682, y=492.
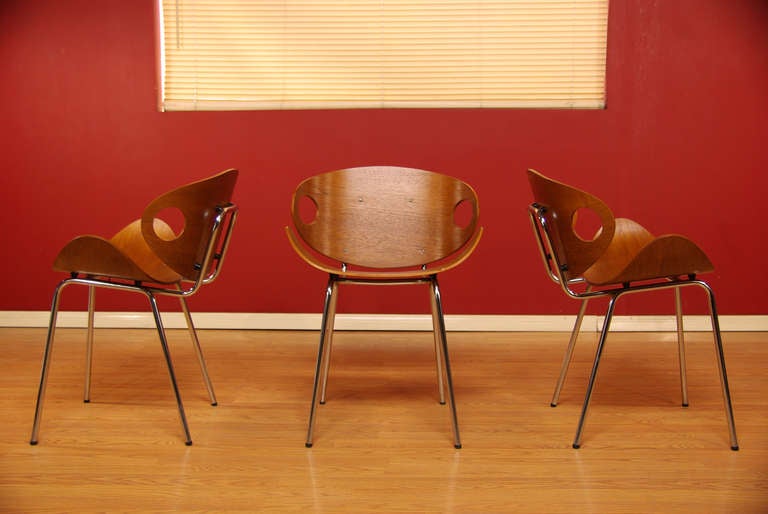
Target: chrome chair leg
x=198, y=350
x=321, y=356
x=167, y=353
x=721, y=366
x=593, y=374
x=89, y=345
x=569, y=352
x=46, y=362
x=446, y=361
x=330, y=322
x=681, y=346
x=438, y=343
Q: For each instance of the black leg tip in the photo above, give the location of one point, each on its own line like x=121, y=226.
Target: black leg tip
x=308, y=445
x=442, y=403
x=34, y=443
x=214, y=404
x=86, y=401
x=685, y=405
x=321, y=402
x=188, y=443
x=457, y=446
x=553, y=405
x=576, y=446
x=735, y=448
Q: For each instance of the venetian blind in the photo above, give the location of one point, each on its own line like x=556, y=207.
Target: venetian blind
x=322, y=54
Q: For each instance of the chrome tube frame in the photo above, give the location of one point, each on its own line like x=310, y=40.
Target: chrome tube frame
x=198, y=351
x=569, y=353
x=322, y=365
x=439, y=341
x=718, y=340
x=92, y=283
x=321, y=357
x=171, y=373
x=330, y=323
x=593, y=374
x=227, y=215
x=435, y=289
x=46, y=363
x=555, y=270
x=214, y=256
x=89, y=344
x=681, y=347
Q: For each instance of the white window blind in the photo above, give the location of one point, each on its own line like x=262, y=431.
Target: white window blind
x=321, y=54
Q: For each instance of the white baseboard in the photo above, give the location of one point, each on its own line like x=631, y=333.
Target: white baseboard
x=456, y=322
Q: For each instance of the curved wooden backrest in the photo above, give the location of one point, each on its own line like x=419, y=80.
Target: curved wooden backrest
x=197, y=203
x=562, y=204
x=384, y=216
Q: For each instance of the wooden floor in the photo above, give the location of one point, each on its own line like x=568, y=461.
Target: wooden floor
x=383, y=443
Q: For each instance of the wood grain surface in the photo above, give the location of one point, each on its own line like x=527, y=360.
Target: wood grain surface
x=381, y=443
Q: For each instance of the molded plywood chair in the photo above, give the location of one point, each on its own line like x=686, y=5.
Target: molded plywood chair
x=384, y=225
x=621, y=258
x=150, y=258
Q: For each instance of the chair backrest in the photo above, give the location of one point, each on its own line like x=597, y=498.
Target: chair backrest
x=560, y=205
x=200, y=204
x=385, y=216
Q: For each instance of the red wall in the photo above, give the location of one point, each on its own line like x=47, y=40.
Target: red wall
x=681, y=147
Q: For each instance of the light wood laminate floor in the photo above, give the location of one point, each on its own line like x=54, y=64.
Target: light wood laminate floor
x=382, y=442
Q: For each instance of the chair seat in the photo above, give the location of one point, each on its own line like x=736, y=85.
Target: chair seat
x=357, y=273
x=126, y=256
x=634, y=254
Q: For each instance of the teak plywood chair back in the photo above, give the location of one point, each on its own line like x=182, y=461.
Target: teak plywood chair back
x=385, y=218
x=383, y=225
x=621, y=257
x=149, y=257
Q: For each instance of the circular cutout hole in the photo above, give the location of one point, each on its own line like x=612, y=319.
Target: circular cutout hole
x=463, y=213
x=586, y=224
x=169, y=223
x=307, y=209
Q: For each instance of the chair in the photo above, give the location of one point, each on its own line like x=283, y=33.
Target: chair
x=621, y=258
x=150, y=258
x=383, y=225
